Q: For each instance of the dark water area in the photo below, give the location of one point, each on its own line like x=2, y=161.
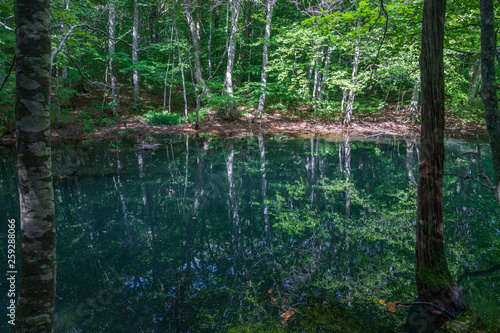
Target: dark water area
x=254, y=234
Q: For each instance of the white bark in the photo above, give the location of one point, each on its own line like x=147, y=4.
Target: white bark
x=414, y=104
x=317, y=75
x=234, y=6
x=267, y=226
x=267, y=35
x=210, y=47
x=347, y=116
x=195, y=29
x=475, y=78
x=135, y=53
x=111, y=52
x=182, y=75
x=325, y=72
x=56, y=97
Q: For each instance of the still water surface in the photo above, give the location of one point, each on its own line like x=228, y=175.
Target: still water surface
x=254, y=234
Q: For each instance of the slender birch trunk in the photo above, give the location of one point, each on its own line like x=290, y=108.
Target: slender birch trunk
x=182, y=75
x=57, y=99
x=414, y=111
x=267, y=35
x=234, y=6
x=475, y=78
x=135, y=54
x=350, y=104
x=325, y=72
x=111, y=52
x=317, y=75
x=195, y=30
x=267, y=226
x=37, y=279
x=210, y=46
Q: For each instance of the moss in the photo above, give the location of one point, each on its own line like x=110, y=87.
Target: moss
x=434, y=279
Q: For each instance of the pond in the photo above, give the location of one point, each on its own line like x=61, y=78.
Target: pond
x=255, y=234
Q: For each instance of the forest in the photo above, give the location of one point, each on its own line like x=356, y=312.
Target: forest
x=174, y=62
x=250, y=166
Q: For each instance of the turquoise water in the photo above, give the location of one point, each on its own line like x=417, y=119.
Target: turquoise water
x=254, y=234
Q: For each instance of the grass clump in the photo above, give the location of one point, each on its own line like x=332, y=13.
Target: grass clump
x=162, y=117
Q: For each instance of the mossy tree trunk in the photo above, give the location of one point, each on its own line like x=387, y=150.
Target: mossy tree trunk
x=36, y=299
x=434, y=282
x=489, y=89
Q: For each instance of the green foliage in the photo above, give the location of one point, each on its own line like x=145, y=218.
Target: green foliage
x=88, y=126
x=202, y=115
x=162, y=117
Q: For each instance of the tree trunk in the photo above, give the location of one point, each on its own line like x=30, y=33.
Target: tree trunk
x=475, y=78
x=234, y=217
x=195, y=29
x=488, y=92
x=57, y=98
x=111, y=52
x=434, y=282
x=414, y=104
x=267, y=35
x=317, y=74
x=182, y=76
x=135, y=53
x=410, y=145
x=347, y=116
x=325, y=72
x=267, y=225
x=37, y=282
x=235, y=14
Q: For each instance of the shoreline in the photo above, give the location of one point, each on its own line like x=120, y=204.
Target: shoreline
x=133, y=126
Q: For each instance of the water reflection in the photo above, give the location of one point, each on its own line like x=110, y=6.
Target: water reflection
x=205, y=234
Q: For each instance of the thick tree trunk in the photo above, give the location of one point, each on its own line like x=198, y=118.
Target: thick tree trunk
x=267, y=35
x=488, y=92
x=135, y=54
x=37, y=284
x=434, y=282
x=111, y=53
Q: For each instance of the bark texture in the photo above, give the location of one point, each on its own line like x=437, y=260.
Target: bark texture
x=135, y=53
x=265, y=57
x=234, y=6
x=111, y=53
x=36, y=297
x=434, y=282
x=194, y=23
x=488, y=92
x=414, y=104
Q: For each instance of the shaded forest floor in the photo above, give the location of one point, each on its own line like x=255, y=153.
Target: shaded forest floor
x=391, y=121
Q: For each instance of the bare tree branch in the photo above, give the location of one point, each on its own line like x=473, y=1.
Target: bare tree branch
x=10, y=70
